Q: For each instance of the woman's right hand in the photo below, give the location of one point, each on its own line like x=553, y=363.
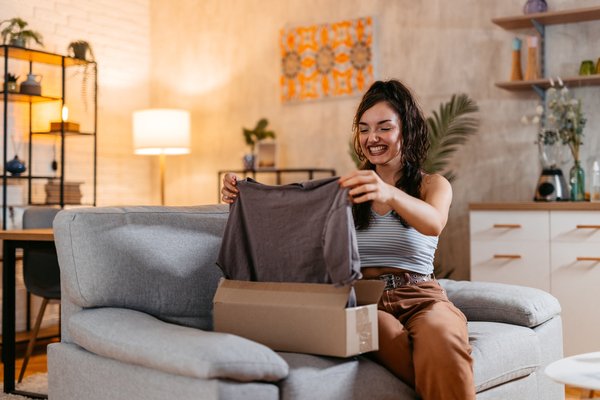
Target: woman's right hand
x=229, y=191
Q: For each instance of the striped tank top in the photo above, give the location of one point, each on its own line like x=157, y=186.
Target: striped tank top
x=387, y=243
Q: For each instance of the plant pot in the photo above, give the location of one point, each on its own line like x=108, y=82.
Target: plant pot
x=11, y=87
x=249, y=161
x=79, y=50
x=18, y=42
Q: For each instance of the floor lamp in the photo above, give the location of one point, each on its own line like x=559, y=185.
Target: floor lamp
x=161, y=131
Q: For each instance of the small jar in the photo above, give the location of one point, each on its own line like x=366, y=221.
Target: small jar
x=586, y=68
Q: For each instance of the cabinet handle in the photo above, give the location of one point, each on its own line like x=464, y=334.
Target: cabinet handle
x=507, y=226
x=597, y=259
x=509, y=256
x=588, y=226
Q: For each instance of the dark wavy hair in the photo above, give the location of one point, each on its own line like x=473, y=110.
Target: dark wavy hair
x=414, y=146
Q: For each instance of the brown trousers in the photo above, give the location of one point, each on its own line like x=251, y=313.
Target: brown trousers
x=423, y=339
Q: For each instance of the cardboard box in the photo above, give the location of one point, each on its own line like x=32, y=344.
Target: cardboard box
x=300, y=317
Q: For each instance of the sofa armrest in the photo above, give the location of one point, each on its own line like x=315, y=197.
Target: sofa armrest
x=137, y=338
x=498, y=302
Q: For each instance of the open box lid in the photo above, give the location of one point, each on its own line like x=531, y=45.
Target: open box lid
x=287, y=293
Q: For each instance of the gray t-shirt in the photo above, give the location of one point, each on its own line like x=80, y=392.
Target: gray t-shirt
x=301, y=232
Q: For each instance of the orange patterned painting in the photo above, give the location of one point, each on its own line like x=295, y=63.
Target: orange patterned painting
x=326, y=61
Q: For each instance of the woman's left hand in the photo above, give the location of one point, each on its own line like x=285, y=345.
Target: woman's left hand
x=366, y=185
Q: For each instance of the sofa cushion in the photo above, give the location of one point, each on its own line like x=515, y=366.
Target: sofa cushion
x=137, y=338
x=142, y=258
x=331, y=378
x=502, y=353
x=498, y=302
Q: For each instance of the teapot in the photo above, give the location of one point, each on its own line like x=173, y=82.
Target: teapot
x=32, y=85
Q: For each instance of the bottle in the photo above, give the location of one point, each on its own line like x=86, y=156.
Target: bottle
x=595, y=189
x=532, y=71
x=516, y=73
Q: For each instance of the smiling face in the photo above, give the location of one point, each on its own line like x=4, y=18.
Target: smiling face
x=380, y=135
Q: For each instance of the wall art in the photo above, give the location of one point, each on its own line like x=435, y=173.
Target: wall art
x=327, y=60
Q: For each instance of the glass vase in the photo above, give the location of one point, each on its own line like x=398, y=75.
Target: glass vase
x=535, y=6
x=577, y=180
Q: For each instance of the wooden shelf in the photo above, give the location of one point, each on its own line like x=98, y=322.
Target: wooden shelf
x=25, y=176
x=58, y=133
x=39, y=56
x=571, y=82
x=549, y=18
x=26, y=98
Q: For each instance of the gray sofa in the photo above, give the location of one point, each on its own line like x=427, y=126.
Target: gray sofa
x=137, y=290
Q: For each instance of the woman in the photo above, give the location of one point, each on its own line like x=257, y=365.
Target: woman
x=399, y=212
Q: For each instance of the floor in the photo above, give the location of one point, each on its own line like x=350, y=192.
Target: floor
x=37, y=364
x=572, y=393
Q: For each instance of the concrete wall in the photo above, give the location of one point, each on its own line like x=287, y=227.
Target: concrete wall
x=220, y=59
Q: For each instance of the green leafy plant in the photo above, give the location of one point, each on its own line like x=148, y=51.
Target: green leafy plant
x=80, y=49
x=259, y=132
x=448, y=129
x=10, y=84
x=14, y=33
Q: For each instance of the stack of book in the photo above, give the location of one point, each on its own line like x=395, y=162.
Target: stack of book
x=72, y=192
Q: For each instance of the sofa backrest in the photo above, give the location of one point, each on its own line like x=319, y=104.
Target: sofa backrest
x=159, y=260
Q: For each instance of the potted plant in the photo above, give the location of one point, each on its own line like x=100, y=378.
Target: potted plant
x=15, y=34
x=253, y=136
x=80, y=49
x=11, y=83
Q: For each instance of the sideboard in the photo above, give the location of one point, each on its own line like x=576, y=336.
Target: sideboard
x=550, y=246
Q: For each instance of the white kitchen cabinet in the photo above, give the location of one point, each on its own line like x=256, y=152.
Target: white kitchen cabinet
x=550, y=246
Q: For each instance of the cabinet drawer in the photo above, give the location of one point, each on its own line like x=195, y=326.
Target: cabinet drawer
x=526, y=264
x=575, y=226
x=509, y=226
x=575, y=284
x=576, y=256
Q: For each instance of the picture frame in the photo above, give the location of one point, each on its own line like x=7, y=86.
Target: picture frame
x=266, y=154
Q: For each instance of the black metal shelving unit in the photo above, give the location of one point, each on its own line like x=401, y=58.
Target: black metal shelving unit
x=64, y=63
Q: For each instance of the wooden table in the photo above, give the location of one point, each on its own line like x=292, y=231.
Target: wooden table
x=13, y=240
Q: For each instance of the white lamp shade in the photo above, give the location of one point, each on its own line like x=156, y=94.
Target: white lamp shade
x=161, y=131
